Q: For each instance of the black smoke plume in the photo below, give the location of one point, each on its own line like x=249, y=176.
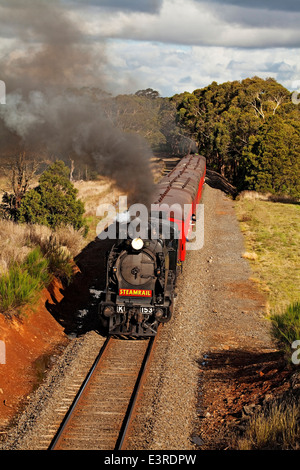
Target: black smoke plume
x=48, y=60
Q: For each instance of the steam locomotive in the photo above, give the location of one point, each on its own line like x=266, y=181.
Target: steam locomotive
x=142, y=271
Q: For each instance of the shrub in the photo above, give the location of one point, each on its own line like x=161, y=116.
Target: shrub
x=37, y=266
x=273, y=157
x=59, y=259
x=66, y=237
x=54, y=201
x=276, y=427
x=286, y=327
x=70, y=238
x=21, y=284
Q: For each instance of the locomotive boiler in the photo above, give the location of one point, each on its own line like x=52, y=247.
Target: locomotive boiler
x=142, y=271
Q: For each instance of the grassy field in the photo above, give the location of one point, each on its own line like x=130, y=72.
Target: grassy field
x=272, y=238
x=92, y=194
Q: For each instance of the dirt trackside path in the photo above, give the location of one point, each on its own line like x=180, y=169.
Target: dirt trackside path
x=239, y=367
x=215, y=356
x=233, y=308
x=214, y=362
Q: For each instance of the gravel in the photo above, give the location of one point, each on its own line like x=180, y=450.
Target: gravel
x=38, y=423
x=213, y=310
x=210, y=314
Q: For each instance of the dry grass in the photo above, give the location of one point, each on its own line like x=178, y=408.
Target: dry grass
x=255, y=196
x=30, y=255
x=71, y=240
x=272, y=238
x=251, y=256
x=92, y=194
x=13, y=244
x=17, y=240
x=277, y=427
x=18, y=243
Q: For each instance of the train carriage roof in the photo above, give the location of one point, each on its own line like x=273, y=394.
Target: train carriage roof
x=181, y=185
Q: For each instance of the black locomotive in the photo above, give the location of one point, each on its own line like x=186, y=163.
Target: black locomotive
x=141, y=272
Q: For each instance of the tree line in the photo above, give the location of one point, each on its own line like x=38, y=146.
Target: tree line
x=249, y=132
x=51, y=202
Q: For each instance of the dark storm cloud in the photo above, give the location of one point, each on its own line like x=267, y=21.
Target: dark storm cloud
x=283, y=21
x=146, y=6
x=288, y=5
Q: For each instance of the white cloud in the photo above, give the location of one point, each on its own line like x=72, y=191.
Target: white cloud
x=201, y=23
x=173, y=69
x=178, y=45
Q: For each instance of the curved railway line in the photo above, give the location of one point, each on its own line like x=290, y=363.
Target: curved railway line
x=100, y=415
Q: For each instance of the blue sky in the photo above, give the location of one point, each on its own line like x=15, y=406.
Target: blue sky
x=178, y=45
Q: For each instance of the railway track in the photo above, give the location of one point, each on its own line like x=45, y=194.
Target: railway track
x=100, y=416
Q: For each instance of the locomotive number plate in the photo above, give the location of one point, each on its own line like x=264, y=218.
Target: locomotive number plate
x=146, y=310
x=120, y=308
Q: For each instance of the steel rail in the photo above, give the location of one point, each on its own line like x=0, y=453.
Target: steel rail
x=130, y=410
x=57, y=437
x=129, y=414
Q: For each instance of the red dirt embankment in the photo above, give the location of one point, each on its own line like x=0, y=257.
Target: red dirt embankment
x=27, y=343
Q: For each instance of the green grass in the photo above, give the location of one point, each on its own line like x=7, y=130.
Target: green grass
x=21, y=284
x=92, y=221
x=25, y=277
x=58, y=259
x=272, y=241
x=37, y=266
x=286, y=327
x=272, y=232
x=94, y=193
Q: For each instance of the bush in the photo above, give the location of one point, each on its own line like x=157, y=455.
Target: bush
x=59, y=259
x=276, y=427
x=66, y=237
x=54, y=201
x=21, y=284
x=273, y=158
x=286, y=327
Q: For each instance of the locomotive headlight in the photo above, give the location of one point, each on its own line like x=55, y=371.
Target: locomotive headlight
x=137, y=243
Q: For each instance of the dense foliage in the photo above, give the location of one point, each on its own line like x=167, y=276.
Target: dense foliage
x=249, y=131
x=53, y=202
x=151, y=116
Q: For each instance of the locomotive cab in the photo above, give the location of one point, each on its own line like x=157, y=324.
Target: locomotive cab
x=140, y=282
